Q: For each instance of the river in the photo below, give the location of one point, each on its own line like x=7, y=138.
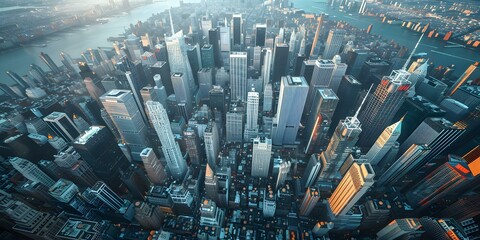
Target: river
x=76, y=40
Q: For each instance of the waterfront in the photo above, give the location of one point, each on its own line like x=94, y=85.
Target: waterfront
x=76, y=40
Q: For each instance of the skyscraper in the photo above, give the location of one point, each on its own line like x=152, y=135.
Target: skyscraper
x=183, y=93
x=134, y=48
x=401, y=228
x=262, y=152
x=319, y=119
x=62, y=125
x=268, y=98
x=334, y=43
x=192, y=144
x=212, y=143
x=260, y=34
x=237, y=29
x=238, y=75
x=283, y=170
x=125, y=114
x=317, y=34
x=101, y=191
x=292, y=98
x=384, y=143
x=77, y=169
x=49, y=62
x=269, y=204
x=436, y=133
x=178, y=59
x=321, y=76
x=175, y=161
x=440, y=182
x=208, y=60
x=148, y=216
x=309, y=201
x=267, y=66
x=314, y=167
x=211, y=184
x=234, y=124
x=154, y=168
x=351, y=188
x=463, y=78
x=214, y=40
x=382, y=106
x=205, y=82
x=30, y=171
x=251, y=124
x=409, y=160
x=280, y=62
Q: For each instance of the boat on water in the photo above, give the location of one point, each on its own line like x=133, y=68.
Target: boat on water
x=102, y=20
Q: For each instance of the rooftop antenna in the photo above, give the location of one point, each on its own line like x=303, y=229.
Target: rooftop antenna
x=413, y=52
x=171, y=21
x=363, y=101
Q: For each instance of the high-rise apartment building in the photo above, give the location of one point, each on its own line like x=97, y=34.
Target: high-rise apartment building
x=251, y=123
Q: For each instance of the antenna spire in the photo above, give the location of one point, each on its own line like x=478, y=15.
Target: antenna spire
x=363, y=101
x=171, y=21
x=413, y=52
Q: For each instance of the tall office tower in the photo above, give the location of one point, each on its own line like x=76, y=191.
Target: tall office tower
x=442, y=181
x=102, y=192
x=183, y=201
x=154, y=168
x=217, y=98
x=192, y=144
x=262, y=153
x=462, y=79
x=267, y=66
x=178, y=59
x=334, y=43
x=62, y=125
x=214, y=40
x=125, y=114
x=238, y=75
x=268, y=98
x=384, y=143
x=337, y=74
x=206, y=25
x=237, y=29
x=269, y=204
x=211, y=184
x=134, y=86
x=19, y=80
x=405, y=228
x=260, y=34
x=355, y=60
x=175, y=162
x=234, y=124
x=225, y=40
x=81, y=124
x=319, y=119
x=30, y=171
x=208, y=57
x=317, y=34
x=437, y=133
x=37, y=73
x=251, y=123
x=280, y=62
x=314, y=167
x=297, y=65
x=94, y=91
x=257, y=58
x=205, y=82
x=109, y=122
x=409, y=160
x=212, y=143
x=135, y=50
x=77, y=169
x=49, y=62
x=467, y=206
x=418, y=75
x=309, y=201
x=211, y=215
x=351, y=188
x=442, y=229
x=308, y=66
x=349, y=94
x=163, y=69
x=183, y=94
x=99, y=149
x=8, y=91
x=363, y=7
x=382, y=106
x=283, y=170
x=293, y=91
x=321, y=77
x=148, y=216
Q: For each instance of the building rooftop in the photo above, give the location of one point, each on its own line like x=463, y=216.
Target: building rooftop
x=87, y=135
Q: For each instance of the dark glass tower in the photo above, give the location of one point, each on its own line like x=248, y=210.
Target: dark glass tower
x=280, y=61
